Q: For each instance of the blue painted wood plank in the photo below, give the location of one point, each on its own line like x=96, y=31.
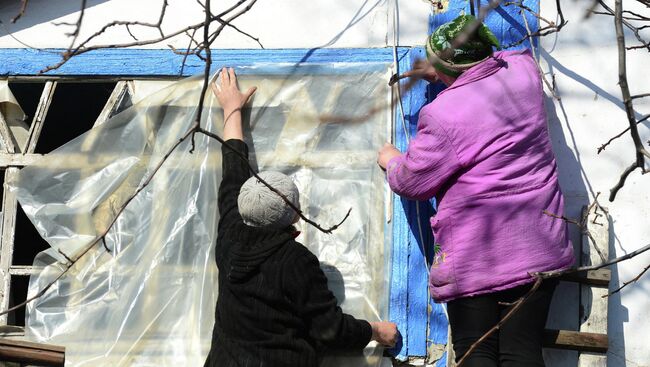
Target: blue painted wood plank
x=400, y=287
x=506, y=22
x=420, y=237
x=146, y=62
x=412, y=237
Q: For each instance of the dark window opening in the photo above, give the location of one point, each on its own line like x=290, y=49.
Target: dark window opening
x=74, y=109
x=2, y=193
x=17, y=295
x=27, y=241
x=27, y=95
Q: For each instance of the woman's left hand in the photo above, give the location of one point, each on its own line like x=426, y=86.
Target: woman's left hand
x=386, y=153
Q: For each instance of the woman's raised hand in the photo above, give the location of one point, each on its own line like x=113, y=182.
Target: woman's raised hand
x=228, y=93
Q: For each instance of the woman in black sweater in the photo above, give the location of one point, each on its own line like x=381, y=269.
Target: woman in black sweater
x=274, y=307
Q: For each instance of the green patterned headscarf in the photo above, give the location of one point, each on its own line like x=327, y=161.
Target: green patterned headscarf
x=477, y=48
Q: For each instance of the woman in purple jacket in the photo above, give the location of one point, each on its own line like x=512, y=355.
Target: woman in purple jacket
x=482, y=149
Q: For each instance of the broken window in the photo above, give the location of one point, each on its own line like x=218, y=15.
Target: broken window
x=36, y=117
x=148, y=291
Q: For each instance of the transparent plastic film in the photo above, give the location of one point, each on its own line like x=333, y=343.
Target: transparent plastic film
x=145, y=294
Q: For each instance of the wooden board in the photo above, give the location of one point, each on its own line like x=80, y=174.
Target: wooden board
x=593, y=307
x=598, y=278
x=32, y=353
x=575, y=340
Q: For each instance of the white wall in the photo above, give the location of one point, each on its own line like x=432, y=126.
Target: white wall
x=582, y=58
x=277, y=23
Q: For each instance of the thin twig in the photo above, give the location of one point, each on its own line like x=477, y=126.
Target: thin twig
x=532, y=48
x=284, y=198
x=627, y=24
x=189, y=46
x=633, y=280
x=602, y=147
x=562, y=217
x=583, y=224
x=640, y=96
x=621, y=180
x=23, y=7
x=517, y=305
x=206, y=71
x=549, y=28
x=75, y=33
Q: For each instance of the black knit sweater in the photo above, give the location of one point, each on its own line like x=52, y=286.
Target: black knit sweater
x=274, y=307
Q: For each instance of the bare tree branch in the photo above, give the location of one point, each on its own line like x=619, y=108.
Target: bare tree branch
x=641, y=153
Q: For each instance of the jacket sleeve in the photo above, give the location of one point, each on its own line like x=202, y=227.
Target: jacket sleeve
x=326, y=323
x=234, y=173
x=429, y=161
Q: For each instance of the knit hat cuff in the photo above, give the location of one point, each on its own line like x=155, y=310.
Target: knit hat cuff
x=448, y=68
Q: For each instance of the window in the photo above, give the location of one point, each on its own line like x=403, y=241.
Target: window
x=54, y=112
x=308, y=139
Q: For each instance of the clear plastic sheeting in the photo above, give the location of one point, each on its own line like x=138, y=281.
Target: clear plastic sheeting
x=145, y=296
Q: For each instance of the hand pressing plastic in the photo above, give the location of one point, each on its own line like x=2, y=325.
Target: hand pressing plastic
x=385, y=154
x=384, y=332
x=227, y=91
x=231, y=100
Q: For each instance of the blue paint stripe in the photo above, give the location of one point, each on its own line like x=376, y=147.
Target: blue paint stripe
x=141, y=62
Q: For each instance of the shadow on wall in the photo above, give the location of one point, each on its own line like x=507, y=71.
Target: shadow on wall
x=363, y=11
x=564, y=312
x=617, y=314
x=37, y=12
x=578, y=192
x=335, y=281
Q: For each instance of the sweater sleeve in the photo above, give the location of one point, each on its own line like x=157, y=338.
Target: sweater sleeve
x=326, y=323
x=235, y=173
x=429, y=161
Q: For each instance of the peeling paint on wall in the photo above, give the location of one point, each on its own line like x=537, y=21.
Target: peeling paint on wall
x=439, y=6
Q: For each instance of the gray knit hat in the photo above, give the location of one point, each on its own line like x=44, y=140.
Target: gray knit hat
x=261, y=207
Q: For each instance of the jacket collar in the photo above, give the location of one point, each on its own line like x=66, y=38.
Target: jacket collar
x=482, y=70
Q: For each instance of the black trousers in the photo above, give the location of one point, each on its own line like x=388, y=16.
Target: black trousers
x=518, y=343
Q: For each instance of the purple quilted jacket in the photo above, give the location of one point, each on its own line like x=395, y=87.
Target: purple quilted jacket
x=482, y=149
